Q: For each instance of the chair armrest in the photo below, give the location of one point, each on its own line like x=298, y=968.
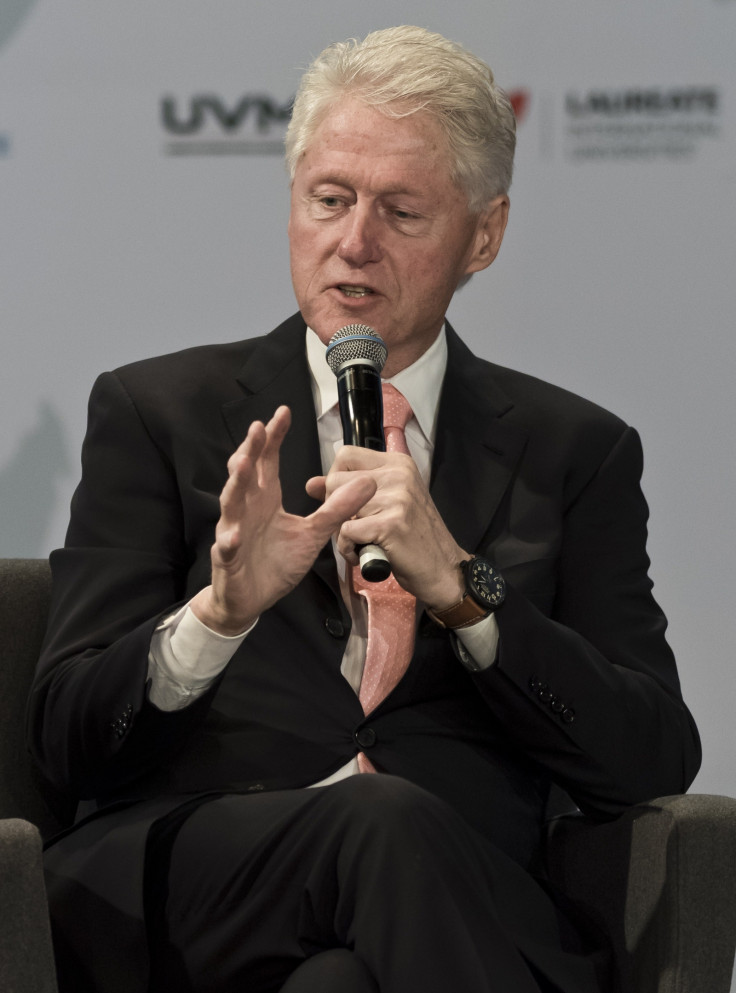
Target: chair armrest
x=26, y=956
x=661, y=880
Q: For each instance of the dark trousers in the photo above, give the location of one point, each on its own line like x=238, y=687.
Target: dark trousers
x=248, y=887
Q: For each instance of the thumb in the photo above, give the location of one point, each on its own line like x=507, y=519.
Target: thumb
x=343, y=504
x=316, y=487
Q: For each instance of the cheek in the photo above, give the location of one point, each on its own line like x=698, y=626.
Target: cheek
x=308, y=246
x=303, y=256
x=427, y=276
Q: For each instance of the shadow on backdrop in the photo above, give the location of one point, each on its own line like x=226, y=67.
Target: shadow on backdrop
x=12, y=13
x=28, y=486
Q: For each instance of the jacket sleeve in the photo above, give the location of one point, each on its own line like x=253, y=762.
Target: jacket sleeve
x=591, y=692
x=123, y=567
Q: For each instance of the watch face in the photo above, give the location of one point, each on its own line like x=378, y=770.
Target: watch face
x=486, y=585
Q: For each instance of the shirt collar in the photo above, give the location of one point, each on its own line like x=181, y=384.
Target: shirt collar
x=420, y=383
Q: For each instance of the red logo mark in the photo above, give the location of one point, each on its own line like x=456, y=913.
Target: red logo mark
x=520, y=103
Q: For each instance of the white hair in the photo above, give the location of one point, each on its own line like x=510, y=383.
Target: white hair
x=401, y=71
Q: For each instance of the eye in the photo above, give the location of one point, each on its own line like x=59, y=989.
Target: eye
x=327, y=205
x=405, y=219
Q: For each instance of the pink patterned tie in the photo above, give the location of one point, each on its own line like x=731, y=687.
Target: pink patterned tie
x=391, y=610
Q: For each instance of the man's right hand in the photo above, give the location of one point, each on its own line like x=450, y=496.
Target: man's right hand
x=261, y=552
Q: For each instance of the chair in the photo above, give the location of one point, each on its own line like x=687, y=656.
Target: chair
x=26, y=960
x=661, y=879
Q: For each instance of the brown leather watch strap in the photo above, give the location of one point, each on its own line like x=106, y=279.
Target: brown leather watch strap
x=459, y=615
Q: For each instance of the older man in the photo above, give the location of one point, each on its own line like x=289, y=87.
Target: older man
x=275, y=757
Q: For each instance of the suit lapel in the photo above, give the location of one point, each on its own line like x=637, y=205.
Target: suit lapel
x=476, y=450
x=277, y=372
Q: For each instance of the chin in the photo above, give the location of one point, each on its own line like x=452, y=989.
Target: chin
x=326, y=324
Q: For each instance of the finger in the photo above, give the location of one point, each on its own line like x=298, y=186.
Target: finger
x=347, y=548
x=336, y=479
x=351, y=457
x=242, y=475
x=262, y=438
x=359, y=531
x=316, y=487
x=276, y=429
x=341, y=505
x=251, y=446
x=255, y=461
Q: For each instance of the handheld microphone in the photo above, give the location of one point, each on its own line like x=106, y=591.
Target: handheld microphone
x=357, y=354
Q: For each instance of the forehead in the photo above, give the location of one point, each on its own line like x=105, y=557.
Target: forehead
x=356, y=137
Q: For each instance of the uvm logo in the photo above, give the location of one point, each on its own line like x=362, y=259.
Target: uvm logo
x=254, y=124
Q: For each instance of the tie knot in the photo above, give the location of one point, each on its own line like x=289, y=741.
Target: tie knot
x=396, y=408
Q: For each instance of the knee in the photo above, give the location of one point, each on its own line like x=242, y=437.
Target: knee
x=383, y=806
x=331, y=971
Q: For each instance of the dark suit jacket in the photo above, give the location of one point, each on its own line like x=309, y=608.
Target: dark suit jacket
x=584, y=694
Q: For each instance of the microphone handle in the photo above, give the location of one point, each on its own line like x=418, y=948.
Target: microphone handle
x=374, y=564
x=361, y=414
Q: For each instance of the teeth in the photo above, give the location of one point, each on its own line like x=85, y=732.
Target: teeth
x=355, y=291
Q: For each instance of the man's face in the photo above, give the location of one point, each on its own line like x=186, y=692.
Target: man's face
x=379, y=233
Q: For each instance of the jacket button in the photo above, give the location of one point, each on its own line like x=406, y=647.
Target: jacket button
x=335, y=627
x=365, y=737
x=557, y=705
x=568, y=715
x=545, y=694
x=535, y=684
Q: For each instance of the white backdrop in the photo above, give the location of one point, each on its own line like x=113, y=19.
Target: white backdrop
x=125, y=234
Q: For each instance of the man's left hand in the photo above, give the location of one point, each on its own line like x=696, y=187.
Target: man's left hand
x=402, y=518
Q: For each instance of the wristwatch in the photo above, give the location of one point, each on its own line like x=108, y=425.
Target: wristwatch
x=485, y=591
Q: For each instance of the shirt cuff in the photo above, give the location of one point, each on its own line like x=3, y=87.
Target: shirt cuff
x=477, y=645
x=185, y=659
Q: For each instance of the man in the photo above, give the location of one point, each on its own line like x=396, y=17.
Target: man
x=203, y=685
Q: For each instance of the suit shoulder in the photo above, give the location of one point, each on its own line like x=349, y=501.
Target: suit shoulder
x=189, y=367
x=191, y=377
x=566, y=434
x=544, y=403
x=212, y=368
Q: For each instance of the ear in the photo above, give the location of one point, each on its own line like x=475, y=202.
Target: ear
x=488, y=234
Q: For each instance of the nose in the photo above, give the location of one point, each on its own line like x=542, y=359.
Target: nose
x=360, y=243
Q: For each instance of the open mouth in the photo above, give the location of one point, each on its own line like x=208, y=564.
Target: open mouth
x=355, y=291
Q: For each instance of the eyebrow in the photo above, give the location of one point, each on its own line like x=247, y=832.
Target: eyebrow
x=339, y=180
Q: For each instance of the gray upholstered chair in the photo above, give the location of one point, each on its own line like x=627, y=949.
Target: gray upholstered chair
x=661, y=879
x=26, y=961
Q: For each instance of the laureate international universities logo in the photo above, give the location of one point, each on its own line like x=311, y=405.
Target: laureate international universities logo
x=642, y=124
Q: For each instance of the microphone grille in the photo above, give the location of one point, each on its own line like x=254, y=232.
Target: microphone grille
x=354, y=342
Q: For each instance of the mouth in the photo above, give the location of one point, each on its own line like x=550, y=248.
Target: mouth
x=356, y=292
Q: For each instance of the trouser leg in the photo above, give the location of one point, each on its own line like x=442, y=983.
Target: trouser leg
x=374, y=864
